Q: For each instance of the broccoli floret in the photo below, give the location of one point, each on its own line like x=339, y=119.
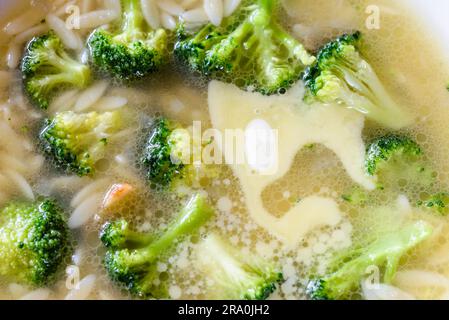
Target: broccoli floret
x=342, y=75
x=34, y=242
x=237, y=275
x=349, y=269
x=394, y=158
x=132, y=258
x=46, y=67
x=437, y=203
x=250, y=49
x=77, y=141
x=390, y=148
x=134, y=51
x=157, y=156
x=168, y=156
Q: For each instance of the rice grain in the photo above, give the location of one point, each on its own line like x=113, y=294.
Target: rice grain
x=86, y=210
x=68, y=37
x=38, y=294
x=150, y=12
x=97, y=18
x=384, y=292
x=30, y=33
x=25, y=21
x=91, y=188
x=86, y=285
x=13, y=56
x=189, y=4
x=195, y=15
x=91, y=95
x=63, y=102
x=110, y=103
x=214, y=10
x=171, y=7
x=229, y=6
x=20, y=181
x=168, y=22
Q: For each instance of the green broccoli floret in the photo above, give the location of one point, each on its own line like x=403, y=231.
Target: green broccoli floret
x=134, y=51
x=132, y=258
x=46, y=67
x=237, y=275
x=394, y=157
x=249, y=49
x=349, y=269
x=168, y=156
x=342, y=75
x=437, y=203
x=390, y=148
x=34, y=242
x=158, y=153
x=77, y=141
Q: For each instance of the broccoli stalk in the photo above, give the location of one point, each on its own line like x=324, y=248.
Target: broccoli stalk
x=34, y=242
x=77, y=141
x=132, y=257
x=134, y=52
x=255, y=52
x=342, y=75
x=46, y=67
x=349, y=269
x=237, y=275
x=117, y=234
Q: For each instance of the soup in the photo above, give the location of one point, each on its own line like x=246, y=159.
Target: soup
x=137, y=215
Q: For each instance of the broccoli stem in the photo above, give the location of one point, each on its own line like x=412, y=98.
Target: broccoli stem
x=65, y=64
x=386, y=252
x=267, y=5
x=228, y=46
x=373, y=100
x=132, y=18
x=69, y=71
x=193, y=216
x=293, y=45
x=137, y=239
x=226, y=261
x=250, y=33
x=65, y=77
x=202, y=34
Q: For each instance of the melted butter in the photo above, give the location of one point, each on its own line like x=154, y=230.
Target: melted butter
x=297, y=125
